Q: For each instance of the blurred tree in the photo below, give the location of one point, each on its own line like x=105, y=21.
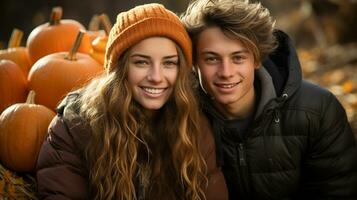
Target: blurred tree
x=316, y=22
x=337, y=18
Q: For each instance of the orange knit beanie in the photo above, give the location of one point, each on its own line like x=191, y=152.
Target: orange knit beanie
x=143, y=22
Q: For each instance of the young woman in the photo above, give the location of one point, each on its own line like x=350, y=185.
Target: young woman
x=135, y=132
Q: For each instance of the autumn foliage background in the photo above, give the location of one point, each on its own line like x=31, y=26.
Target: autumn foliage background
x=324, y=31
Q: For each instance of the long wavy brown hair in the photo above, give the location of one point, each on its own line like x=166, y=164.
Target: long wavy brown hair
x=133, y=156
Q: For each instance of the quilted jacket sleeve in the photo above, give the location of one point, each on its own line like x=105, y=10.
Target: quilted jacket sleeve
x=332, y=160
x=61, y=173
x=216, y=189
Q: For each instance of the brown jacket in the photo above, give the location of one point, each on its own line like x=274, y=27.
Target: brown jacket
x=62, y=172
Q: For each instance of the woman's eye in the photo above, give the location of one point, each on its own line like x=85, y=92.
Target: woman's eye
x=171, y=63
x=141, y=62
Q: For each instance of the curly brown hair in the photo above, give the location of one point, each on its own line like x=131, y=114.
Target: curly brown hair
x=131, y=154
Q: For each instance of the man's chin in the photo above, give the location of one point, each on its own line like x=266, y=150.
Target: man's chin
x=223, y=101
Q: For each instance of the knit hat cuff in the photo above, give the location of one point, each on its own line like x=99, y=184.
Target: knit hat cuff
x=146, y=28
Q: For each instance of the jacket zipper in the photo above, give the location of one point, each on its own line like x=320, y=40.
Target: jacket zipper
x=243, y=170
x=242, y=156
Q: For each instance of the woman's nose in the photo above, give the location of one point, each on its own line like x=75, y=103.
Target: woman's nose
x=155, y=74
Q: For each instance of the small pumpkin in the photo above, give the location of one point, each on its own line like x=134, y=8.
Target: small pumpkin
x=98, y=49
x=93, y=28
x=13, y=84
x=99, y=44
x=23, y=128
x=16, y=53
x=56, y=36
x=54, y=75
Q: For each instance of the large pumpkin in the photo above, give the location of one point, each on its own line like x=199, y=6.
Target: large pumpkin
x=56, y=36
x=54, y=75
x=23, y=128
x=13, y=84
x=16, y=53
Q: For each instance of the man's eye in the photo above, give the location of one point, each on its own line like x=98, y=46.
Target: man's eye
x=211, y=60
x=238, y=59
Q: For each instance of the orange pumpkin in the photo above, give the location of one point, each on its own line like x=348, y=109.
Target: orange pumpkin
x=93, y=28
x=15, y=53
x=13, y=84
x=56, y=36
x=23, y=128
x=98, y=48
x=54, y=75
x=99, y=44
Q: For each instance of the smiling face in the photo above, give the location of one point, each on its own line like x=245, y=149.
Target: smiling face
x=227, y=71
x=153, y=70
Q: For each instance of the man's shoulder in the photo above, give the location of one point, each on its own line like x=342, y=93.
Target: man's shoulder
x=311, y=98
x=312, y=88
x=311, y=95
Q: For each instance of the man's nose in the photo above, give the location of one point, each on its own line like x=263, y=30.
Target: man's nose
x=226, y=69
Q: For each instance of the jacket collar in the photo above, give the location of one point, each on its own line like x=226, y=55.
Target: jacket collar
x=284, y=67
x=267, y=92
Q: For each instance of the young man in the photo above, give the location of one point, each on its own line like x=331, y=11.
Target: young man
x=277, y=136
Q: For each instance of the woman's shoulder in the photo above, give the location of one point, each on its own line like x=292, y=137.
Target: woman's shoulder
x=216, y=188
x=68, y=123
x=205, y=128
x=62, y=158
x=206, y=139
x=69, y=106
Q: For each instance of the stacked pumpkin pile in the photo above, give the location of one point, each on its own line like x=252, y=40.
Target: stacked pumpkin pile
x=60, y=56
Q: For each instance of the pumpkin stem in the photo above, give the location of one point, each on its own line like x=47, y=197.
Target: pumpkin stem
x=72, y=54
x=15, y=39
x=94, y=23
x=31, y=97
x=106, y=23
x=56, y=15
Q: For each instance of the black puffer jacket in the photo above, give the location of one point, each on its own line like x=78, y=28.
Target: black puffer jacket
x=299, y=146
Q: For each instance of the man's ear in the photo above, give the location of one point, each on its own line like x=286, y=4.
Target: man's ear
x=257, y=65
